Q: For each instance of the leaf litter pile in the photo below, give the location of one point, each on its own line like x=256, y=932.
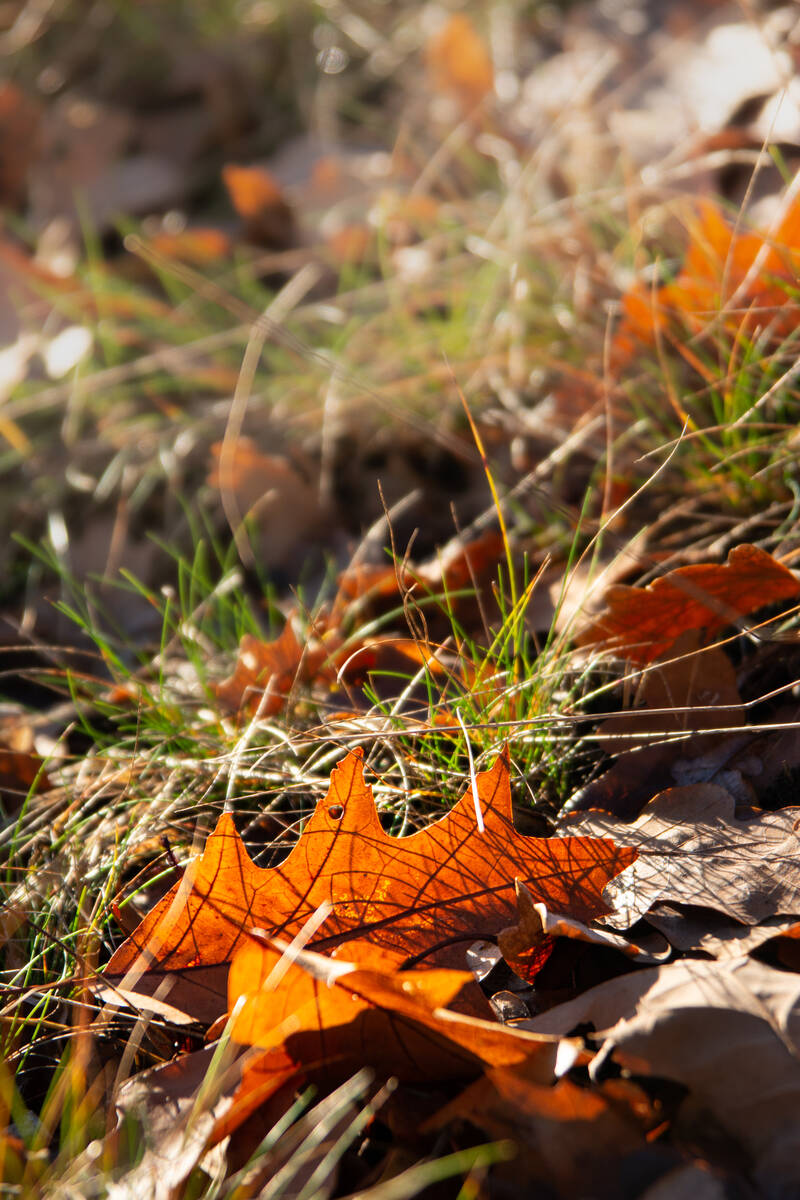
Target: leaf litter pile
x=400, y=741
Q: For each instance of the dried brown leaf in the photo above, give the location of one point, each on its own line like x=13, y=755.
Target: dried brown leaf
x=700, y=929
x=728, y=1031
x=568, y=1132
x=695, y=848
x=264, y=673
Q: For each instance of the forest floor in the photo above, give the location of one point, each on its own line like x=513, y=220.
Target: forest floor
x=399, y=659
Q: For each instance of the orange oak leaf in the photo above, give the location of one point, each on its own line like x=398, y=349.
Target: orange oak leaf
x=327, y=1019
x=265, y=672
x=643, y=623
x=315, y=1000
x=392, y=900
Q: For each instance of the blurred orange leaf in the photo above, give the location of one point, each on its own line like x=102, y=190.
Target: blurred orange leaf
x=459, y=61
x=275, y=491
x=200, y=246
x=251, y=189
x=460, y=565
x=21, y=768
x=260, y=202
x=265, y=672
x=324, y=655
x=718, y=262
x=19, y=772
x=20, y=121
x=349, y=245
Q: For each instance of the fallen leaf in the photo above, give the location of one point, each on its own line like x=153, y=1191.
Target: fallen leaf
x=183, y=1105
x=761, y=267
x=20, y=771
x=276, y=494
x=538, y=925
x=264, y=673
x=560, y=599
x=395, y=656
x=692, y=929
x=408, y=216
x=333, y=1014
x=728, y=1031
x=198, y=246
x=460, y=563
x=569, y=1133
x=756, y=767
x=459, y=62
x=694, y=849
x=367, y=581
x=691, y=691
x=628, y=784
x=420, y=897
x=305, y=1153
x=694, y=689
x=326, y=1018
x=260, y=202
x=459, y=567
x=20, y=119
x=349, y=245
x=174, y=1128
x=643, y=623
